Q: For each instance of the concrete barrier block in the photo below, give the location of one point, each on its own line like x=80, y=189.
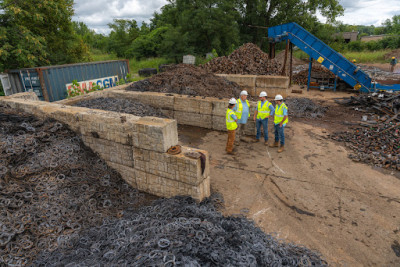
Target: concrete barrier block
x=272, y=92
x=155, y=134
x=25, y=96
x=220, y=107
x=127, y=173
x=242, y=80
x=193, y=105
x=193, y=119
x=219, y=123
x=281, y=82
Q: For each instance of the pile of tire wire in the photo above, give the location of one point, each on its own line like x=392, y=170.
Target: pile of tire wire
x=121, y=105
x=189, y=80
x=51, y=188
x=377, y=145
x=247, y=59
x=304, y=108
x=178, y=232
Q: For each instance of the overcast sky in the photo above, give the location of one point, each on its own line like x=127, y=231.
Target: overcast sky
x=98, y=13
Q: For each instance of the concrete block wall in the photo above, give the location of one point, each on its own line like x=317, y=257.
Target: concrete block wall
x=205, y=112
x=254, y=84
x=134, y=146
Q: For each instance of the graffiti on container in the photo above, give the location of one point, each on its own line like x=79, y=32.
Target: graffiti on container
x=105, y=82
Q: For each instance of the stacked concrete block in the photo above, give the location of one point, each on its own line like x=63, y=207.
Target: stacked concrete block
x=134, y=146
x=255, y=84
x=273, y=85
x=246, y=82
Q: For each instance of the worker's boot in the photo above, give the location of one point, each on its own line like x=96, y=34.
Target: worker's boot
x=281, y=149
x=275, y=144
x=266, y=143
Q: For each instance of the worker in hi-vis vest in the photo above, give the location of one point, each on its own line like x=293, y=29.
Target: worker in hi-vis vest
x=242, y=111
x=280, y=119
x=393, y=64
x=231, y=125
x=263, y=111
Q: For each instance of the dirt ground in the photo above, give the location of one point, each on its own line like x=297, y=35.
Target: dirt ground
x=311, y=194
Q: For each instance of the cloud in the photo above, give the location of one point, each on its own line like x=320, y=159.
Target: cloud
x=98, y=13
x=368, y=12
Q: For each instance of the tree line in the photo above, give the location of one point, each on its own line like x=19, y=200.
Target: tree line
x=41, y=32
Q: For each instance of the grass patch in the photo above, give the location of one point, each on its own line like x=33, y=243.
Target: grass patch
x=97, y=55
x=360, y=57
x=300, y=54
x=367, y=56
x=136, y=65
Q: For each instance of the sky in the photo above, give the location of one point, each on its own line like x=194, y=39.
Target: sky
x=98, y=13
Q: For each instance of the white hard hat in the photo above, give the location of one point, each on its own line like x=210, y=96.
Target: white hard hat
x=232, y=101
x=244, y=92
x=278, y=97
x=262, y=94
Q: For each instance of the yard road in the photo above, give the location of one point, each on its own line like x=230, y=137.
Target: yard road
x=311, y=194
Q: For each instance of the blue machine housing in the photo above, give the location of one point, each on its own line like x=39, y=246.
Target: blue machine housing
x=325, y=55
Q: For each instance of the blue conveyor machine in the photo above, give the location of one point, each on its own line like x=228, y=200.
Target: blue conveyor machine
x=328, y=57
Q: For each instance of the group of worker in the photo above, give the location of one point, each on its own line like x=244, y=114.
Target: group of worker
x=238, y=113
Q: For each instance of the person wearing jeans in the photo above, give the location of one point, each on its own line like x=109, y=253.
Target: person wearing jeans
x=280, y=120
x=263, y=111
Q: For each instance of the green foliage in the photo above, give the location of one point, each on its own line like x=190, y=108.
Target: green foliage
x=135, y=65
x=38, y=33
x=123, y=33
x=147, y=45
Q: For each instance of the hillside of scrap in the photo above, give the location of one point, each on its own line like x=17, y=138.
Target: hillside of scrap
x=61, y=205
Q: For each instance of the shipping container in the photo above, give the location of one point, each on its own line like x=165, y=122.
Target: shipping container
x=50, y=83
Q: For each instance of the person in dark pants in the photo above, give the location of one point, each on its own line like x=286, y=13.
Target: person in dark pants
x=263, y=111
x=231, y=125
x=281, y=118
x=393, y=64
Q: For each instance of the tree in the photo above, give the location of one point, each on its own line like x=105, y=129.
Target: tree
x=147, y=45
x=37, y=32
x=267, y=13
x=208, y=23
x=392, y=26
x=123, y=33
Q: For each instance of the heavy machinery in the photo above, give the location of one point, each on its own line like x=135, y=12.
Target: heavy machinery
x=329, y=58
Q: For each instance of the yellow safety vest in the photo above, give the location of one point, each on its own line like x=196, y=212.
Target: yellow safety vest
x=263, y=112
x=230, y=123
x=279, y=114
x=240, y=108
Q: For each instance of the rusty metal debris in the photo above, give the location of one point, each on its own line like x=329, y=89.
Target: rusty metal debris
x=51, y=188
x=378, y=141
x=178, y=232
x=247, y=59
x=174, y=150
x=188, y=80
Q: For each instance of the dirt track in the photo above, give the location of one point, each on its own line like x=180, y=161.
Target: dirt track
x=311, y=194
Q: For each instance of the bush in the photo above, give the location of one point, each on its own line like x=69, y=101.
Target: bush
x=357, y=46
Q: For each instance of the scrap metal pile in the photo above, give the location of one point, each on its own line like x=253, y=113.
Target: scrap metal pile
x=121, y=105
x=51, y=188
x=178, y=232
x=188, y=80
x=304, y=108
x=247, y=59
x=377, y=142
x=301, y=77
x=60, y=205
